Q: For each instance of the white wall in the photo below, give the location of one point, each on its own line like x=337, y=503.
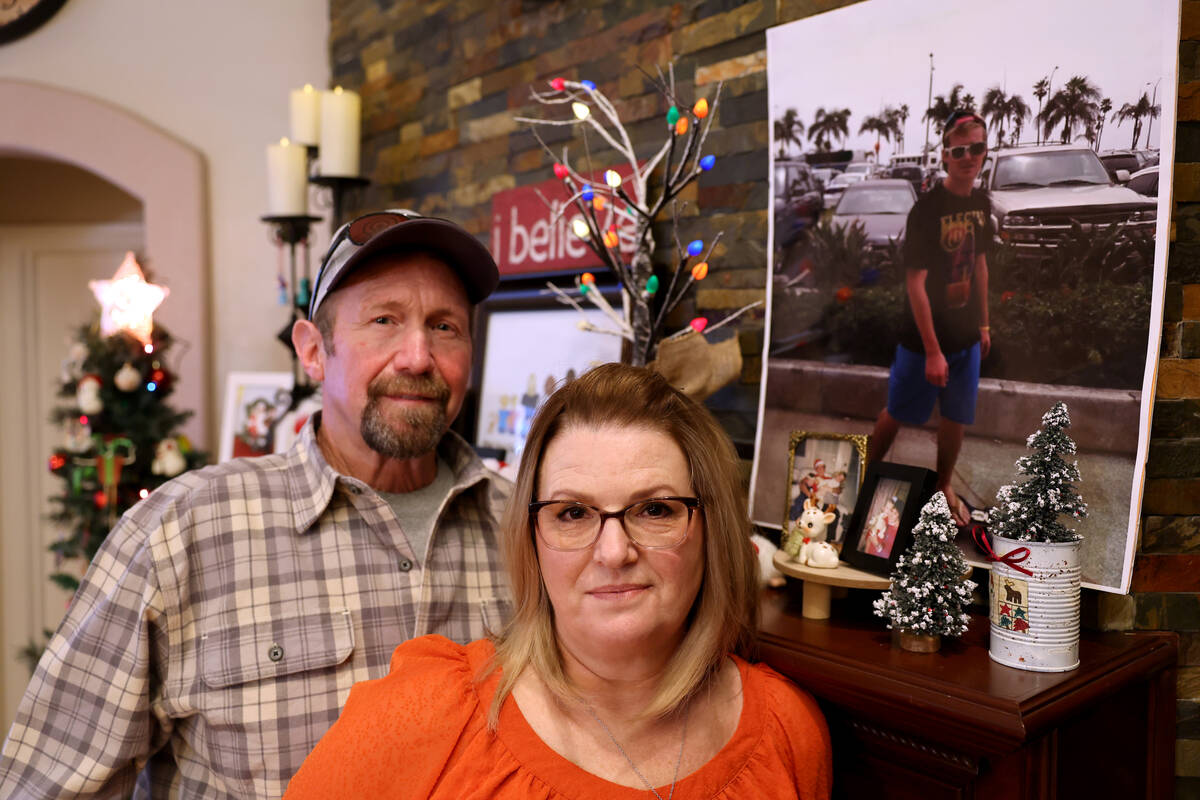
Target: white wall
x=216, y=75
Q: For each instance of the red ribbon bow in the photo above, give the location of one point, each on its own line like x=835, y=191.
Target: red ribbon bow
x=1013, y=558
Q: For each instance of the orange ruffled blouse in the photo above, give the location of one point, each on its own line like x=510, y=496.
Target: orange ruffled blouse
x=421, y=732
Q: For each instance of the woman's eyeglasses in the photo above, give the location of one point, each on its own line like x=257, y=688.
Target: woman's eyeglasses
x=656, y=522
x=960, y=151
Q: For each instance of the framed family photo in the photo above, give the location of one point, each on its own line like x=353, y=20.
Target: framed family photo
x=527, y=344
x=825, y=469
x=886, y=512
x=254, y=404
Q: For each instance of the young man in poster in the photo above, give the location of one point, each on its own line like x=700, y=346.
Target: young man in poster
x=946, y=334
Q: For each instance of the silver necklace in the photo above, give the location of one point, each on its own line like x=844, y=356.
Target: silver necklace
x=638, y=772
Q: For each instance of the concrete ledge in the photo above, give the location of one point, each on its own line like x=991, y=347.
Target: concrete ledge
x=1102, y=420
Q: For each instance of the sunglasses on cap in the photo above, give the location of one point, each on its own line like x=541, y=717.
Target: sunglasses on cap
x=960, y=151
x=360, y=231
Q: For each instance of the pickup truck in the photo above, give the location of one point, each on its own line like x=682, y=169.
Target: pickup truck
x=1038, y=192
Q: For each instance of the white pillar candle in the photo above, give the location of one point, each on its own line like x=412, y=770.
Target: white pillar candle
x=305, y=109
x=341, y=121
x=287, y=179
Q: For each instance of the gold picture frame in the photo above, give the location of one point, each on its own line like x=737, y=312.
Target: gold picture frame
x=822, y=457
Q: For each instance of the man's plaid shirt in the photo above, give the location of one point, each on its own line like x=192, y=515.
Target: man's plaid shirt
x=221, y=626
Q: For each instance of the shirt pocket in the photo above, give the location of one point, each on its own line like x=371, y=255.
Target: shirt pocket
x=274, y=648
x=495, y=613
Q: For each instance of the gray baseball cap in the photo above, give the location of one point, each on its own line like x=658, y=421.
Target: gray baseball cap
x=401, y=230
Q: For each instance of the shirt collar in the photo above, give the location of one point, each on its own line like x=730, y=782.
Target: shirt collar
x=312, y=481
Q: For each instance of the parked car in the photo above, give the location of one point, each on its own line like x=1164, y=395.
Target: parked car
x=863, y=168
x=1145, y=181
x=908, y=172
x=1116, y=160
x=798, y=200
x=1038, y=192
x=881, y=206
x=824, y=175
x=838, y=184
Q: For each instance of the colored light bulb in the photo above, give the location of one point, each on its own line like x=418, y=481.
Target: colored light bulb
x=610, y=239
x=591, y=87
x=652, y=284
x=700, y=271
x=700, y=110
x=558, y=84
x=707, y=162
x=580, y=110
x=695, y=247
x=699, y=324
x=681, y=126
x=151, y=386
x=587, y=277
x=598, y=202
x=612, y=178
x=580, y=227
x=561, y=171
x=586, y=193
x=672, y=115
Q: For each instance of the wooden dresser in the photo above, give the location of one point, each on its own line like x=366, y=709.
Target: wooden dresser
x=955, y=724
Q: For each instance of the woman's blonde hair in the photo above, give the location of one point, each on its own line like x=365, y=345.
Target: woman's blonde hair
x=724, y=616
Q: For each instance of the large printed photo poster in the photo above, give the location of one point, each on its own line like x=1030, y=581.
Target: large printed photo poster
x=1079, y=101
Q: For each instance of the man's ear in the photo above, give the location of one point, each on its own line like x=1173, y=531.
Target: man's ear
x=310, y=349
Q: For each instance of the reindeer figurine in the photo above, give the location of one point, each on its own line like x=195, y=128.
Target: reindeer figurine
x=810, y=529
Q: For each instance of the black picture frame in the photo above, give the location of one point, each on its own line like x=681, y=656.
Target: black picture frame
x=878, y=536
x=521, y=295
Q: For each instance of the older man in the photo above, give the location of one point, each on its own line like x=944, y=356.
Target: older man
x=219, y=629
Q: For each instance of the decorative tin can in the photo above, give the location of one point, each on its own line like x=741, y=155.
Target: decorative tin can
x=1035, y=605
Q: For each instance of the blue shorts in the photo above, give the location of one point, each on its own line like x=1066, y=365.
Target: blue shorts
x=911, y=397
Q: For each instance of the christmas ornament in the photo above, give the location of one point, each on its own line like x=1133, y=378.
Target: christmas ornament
x=57, y=462
x=127, y=378
x=168, y=460
x=72, y=366
x=87, y=395
x=128, y=301
x=78, y=435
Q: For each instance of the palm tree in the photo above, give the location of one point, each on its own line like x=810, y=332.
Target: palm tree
x=788, y=129
x=1105, y=107
x=944, y=105
x=1155, y=110
x=995, y=109
x=885, y=126
x=902, y=119
x=968, y=102
x=1136, y=112
x=1076, y=104
x=1040, y=89
x=828, y=125
x=1018, y=112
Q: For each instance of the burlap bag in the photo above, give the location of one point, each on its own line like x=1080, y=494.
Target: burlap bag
x=696, y=367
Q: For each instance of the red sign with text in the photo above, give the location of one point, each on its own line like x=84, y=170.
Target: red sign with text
x=529, y=236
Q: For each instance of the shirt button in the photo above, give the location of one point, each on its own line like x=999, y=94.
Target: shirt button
x=405, y=565
x=275, y=653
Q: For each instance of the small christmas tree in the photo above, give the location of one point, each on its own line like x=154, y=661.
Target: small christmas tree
x=928, y=591
x=1030, y=511
x=121, y=437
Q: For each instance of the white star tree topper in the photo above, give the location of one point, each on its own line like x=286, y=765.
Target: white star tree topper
x=127, y=301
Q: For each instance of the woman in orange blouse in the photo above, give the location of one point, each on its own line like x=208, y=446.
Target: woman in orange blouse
x=623, y=673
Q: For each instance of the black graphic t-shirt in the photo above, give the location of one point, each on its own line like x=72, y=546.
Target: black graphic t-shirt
x=945, y=234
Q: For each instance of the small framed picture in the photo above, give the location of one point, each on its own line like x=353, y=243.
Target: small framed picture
x=526, y=345
x=254, y=403
x=825, y=470
x=886, y=512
